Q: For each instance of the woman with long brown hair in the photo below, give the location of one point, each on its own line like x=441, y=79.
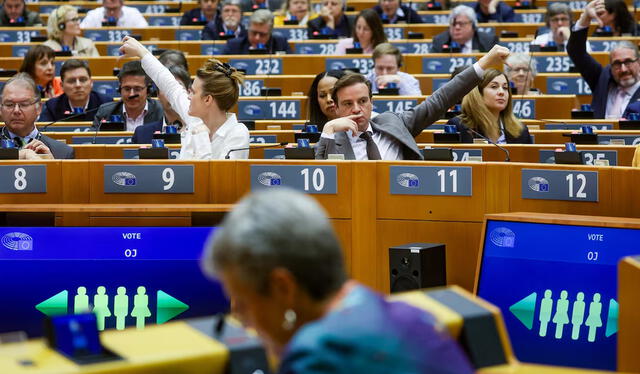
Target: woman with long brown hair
x=488, y=110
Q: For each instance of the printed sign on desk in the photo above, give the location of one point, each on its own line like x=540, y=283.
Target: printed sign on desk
x=430, y=180
x=311, y=179
x=258, y=66
x=23, y=179
x=148, y=179
x=569, y=185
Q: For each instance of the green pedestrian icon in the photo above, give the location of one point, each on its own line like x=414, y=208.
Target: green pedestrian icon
x=101, y=307
x=561, y=317
x=141, y=307
x=121, y=307
x=594, y=319
x=81, y=301
x=577, y=316
x=546, y=305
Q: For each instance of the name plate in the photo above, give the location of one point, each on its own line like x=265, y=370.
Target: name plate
x=262, y=139
x=628, y=139
x=132, y=154
x=394, y=33
x=444, y=65
x=553, y=64
x=364, y=65
x=393, y=105
x=154, y=8
x=525, y=109
x=23, y=179
x=430, y=180
x=101, y=140
x=251, y=87
x=577, y=126
x=163, y=20
x=567, y=86
x=148, y=179
x=440, y=19
x=312, y=179
x=603, y=45
x=106, y=35
x=294, y=33
x=263, y=109
x=413, y=47
x=316, y=48
x=516, y=47
x=258, y=66
x=211, y=49
x=185, y=35
x=19, y=50
x=114, y=50
x=108, y=88
x=567, y=185
x=277, y=153
x=529, y=17
x=590, y=156
x=20, y=36
x=462, y=155
x=70, y=128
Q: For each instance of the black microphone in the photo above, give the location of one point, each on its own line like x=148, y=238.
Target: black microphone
x=506, y=152
x=281, y=144
x=93, y=141
x=44, y=128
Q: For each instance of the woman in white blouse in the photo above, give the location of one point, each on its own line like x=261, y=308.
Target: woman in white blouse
x=211, y=132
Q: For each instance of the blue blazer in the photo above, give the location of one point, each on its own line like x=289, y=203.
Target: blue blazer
x=214, y=29
x=467, y=137
x=240, y=46
x=410, y=15
x=633, y=107
x=58, y=108
x=143, y=134
x=504, y=13
x=597, y=77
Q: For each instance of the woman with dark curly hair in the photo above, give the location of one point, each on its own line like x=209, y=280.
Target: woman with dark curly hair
x=321, y=105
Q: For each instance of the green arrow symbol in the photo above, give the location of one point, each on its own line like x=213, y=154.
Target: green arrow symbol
x=612, y=319
x=168, y=307
x=55, y=305
x=525, y=309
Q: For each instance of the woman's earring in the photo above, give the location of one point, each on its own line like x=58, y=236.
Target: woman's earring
x=289, y=321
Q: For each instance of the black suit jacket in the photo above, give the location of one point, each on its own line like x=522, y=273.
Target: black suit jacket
x=144, y=134
x=240, y=46
x=597, y=77
x=410, y=15
x=214, y=29
x=482, y=41
x=196, y=13
x=343, y=28
x=58, y=108
x=155, y=112
x=58, y=149
x=466, y=136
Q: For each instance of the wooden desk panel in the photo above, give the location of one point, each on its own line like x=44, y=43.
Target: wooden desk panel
x=54, y=191
x=201, y=184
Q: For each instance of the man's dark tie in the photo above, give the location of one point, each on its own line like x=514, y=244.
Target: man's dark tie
x=18, y=142
x=372, y=149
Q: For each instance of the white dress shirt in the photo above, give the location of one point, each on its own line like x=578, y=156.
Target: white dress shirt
x=196, y=142
x=131, y=122
x=130, y=17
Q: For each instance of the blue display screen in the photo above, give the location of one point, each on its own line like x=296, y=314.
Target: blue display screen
x=557, y=288
x=127, y=276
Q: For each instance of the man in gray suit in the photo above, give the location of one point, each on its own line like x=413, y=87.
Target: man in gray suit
x=390, y=136
x=20, y=107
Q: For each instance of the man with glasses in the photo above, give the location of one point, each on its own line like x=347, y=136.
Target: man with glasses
x=259, y=36
x=15, y=13
x=135, y=108
x=78, y=96
x=229, y=23
x=20, y=106
x=614, y=86
x=114, y=11
x=463, y=30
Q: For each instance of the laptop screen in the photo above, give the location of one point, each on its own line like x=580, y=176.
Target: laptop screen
x=128, y=276
x=556, y=286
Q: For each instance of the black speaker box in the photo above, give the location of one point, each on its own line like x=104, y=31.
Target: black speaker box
x=417, y=265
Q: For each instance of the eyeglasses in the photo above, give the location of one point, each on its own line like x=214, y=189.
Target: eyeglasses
x=9, y=106
x=136, y=89
x=258, y=33
x=460, y=23
x=521, y=69
x=558, y=19
x=627, y=63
